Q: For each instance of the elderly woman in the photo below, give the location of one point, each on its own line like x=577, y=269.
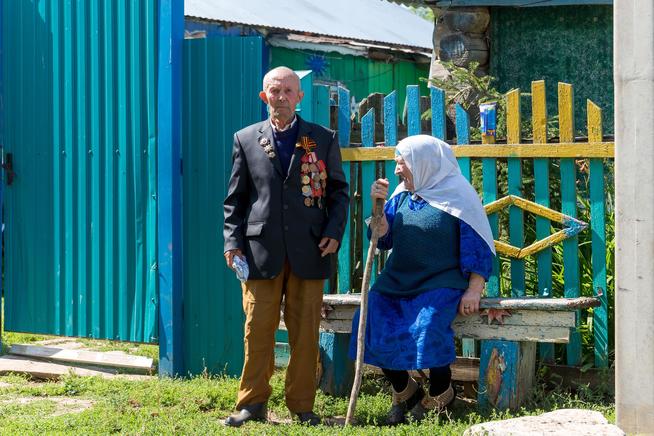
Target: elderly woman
x=442, y=256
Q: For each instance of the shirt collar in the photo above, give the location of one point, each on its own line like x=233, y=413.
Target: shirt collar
x=288, y=126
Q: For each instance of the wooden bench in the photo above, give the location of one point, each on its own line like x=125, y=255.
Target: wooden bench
x=508, y=349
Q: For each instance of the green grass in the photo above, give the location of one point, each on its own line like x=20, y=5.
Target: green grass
x=199, y=405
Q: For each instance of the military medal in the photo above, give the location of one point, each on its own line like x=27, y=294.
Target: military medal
x=268, y=148
x=313, y=174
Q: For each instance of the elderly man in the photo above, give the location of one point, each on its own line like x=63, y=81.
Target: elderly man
x=285, y=214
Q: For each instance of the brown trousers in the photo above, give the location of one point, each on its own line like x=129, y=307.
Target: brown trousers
x=262, y=305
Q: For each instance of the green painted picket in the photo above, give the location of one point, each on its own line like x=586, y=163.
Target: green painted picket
x=363, y=171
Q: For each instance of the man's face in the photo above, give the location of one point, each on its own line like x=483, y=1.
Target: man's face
x=282, y=94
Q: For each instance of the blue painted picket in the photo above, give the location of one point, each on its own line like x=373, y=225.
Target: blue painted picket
x=367, y=178
x=345, y=252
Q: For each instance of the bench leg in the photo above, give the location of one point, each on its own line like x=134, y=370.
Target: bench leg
x=506, y=373
x=337, y=367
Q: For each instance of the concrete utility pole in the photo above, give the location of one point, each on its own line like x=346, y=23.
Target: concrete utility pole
x=634, y=258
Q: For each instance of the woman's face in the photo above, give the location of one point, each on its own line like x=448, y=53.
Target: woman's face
x=402, y=170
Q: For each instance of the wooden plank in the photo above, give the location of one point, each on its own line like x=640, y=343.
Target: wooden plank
x=516, y=218
x=344, y=252
x=469, y=347
x=598, y=241
x=528, y=303
x=489, y=174
x=390, y=138
x=542, y=196
x=438, y=118
x=367, y=178
x=54, y=371
x=463, y=138
x=413, y=109
x=524, y=318
x=83, y=357
x=577, y=150
x=568, y=171
x=551, y=335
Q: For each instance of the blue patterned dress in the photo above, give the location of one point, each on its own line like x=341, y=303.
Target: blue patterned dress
x=415, y=332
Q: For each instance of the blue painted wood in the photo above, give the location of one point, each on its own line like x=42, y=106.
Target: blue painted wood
x=305, y=107
x=469, y=348
x=338, y=368
x=171, y=36
x=495, y=383
x=321, y=105
x=505, y=373
x=571, y=254
x=489, y=173
x=413, y=109
x=516, y=227
x=367, y=178
x=543, y=225
x=438, y=119
x=344, y=253
x=598, y=241
x=463, y=137
x=390, y=137
x=390, y=119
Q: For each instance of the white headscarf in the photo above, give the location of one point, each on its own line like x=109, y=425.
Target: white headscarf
x=438, y=180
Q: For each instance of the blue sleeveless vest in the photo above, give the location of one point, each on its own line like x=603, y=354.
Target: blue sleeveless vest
x=425, y=253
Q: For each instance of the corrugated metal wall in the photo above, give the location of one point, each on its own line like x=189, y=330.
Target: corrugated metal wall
x=360, y=75
x=222, y=79
x=80, y=91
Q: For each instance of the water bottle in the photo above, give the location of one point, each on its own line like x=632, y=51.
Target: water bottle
x=241, y=268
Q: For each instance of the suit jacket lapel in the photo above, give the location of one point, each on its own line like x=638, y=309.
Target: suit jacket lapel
x=266, y=132
x=304, y=129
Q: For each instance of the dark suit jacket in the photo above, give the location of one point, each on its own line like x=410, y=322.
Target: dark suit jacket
x=265, y=214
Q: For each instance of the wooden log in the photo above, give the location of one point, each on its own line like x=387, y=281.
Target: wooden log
x=137, y=363
x=467, y=20
x=461, y=49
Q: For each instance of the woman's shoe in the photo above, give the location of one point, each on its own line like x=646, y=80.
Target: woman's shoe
x=404, y=401
x=438, y=404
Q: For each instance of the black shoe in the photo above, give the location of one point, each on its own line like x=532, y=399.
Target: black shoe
x=251, y=412
x=308, y=418
x=403, y=402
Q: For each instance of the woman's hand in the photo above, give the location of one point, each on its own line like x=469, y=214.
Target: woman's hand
x=470, y=300
x=379, y=189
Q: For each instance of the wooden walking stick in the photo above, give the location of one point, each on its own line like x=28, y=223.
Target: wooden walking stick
x=377, y=213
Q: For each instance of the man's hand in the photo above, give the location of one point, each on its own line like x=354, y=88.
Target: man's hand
x=229, y=257
x=328, y=246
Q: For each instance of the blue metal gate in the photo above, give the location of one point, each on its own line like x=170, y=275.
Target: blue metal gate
x=80, y=196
